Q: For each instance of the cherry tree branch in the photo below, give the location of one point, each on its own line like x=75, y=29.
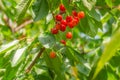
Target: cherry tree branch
x=34, y=61
x=23, y=25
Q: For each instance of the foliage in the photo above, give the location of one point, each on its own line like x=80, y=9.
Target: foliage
x=26, y=41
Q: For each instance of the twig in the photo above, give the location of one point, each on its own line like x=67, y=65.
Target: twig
x=10, y=24
x=23, y=25
x=34, y=61
x=7, y=22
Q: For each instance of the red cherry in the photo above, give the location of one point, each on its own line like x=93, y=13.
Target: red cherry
x=58, y=17
x=70, y=24
x=54, y=30
x=62, y=28
x=64, y=22
x=75, y=21
x=52, y=55
x=81, y=14
x=57, y=26
x=74, y=13
x=69, y=18
x=63, y=42
x=69, y=35
x=62, y=8
x=77, y=18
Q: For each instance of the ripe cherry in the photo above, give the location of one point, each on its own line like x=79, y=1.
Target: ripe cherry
x=58, y=17
x=81, y=14
x=74, y=13
x=64, y=22
x=70, y=24
x=62, y=28
x=75, y=21
x=57, y=26
x=77, y=18
x=52, y=55
x=63, y=42
x=69, y=18
x=62, y=8
x=54, y=30
x=69, y=35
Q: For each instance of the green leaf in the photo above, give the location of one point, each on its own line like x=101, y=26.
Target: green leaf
x=2, y=72
x=40, y=9
x=10, y=72
x=22, y=8
x=115, y=61
x=94, y=14
x=108, y=52
x=77, y=55
x=67, y=5
x=6, y=58
x=93, y=27
x=43, y=77
x=54, y=4
x=83, y=69
x=102, y=75
x=111, y=74
x=89, y=26
x=70, y=55
x=109, y=3
x=47, y=40
x=107, y=16
x=55, y=64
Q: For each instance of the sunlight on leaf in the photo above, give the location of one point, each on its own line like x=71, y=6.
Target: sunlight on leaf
x=8, y=46
x=17, y=56
x=108, y=52
x=89, y=4
x=109, y=3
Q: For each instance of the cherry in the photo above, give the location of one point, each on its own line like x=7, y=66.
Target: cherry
x=69, y=35
x=63, y=42
x=75, y=21
x=54, y=30
x=70, y=24
x=69, y=18
x=62, y=8
x=81, y=14
x=62, y=28
x=57, y=26
x=52, y=55
x=58, y=17
x=77, y=18
x=64, y=22
x=74, y=13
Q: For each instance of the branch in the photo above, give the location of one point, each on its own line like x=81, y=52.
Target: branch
x=34, y=61
x=10, y=24
x=23, y=25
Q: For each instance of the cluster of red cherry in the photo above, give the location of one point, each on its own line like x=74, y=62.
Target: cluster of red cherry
x=71, y=21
